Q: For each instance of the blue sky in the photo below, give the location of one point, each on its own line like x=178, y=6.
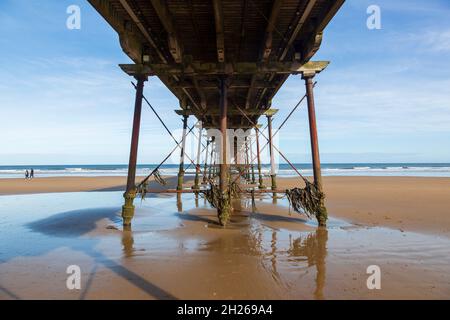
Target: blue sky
x=384, y=98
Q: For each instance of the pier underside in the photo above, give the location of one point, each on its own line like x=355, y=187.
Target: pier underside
x=189, y=44
x=224, y=60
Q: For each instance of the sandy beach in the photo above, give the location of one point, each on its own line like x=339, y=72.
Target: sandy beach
x=176, y=249
x=404, y=203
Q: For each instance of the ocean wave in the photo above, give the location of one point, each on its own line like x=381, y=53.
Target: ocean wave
x=283, y=170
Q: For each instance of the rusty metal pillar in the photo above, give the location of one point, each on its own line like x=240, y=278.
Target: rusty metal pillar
x=251, y=161
x=183, y=145
x=272, y=155
x=313, y=131
x=205, y=170
x=247, y=161
x=212, y=161
x=258, y=154
x=197, y=166
x=224, y=207
x=235, y=150
x=223, y=130
x=322, y=215
x=130, y=193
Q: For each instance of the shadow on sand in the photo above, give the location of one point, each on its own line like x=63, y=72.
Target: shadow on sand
x=171, y=183
x=74, y=224
x=72, y=229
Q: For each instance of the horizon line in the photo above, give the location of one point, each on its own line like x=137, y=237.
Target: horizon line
x=176, y=164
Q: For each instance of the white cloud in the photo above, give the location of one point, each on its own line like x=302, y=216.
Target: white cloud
x=429, y=40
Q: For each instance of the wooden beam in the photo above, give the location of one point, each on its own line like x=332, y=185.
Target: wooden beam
x=128, y=34
x=294, y=34
x=142, y=28
x=330, y=14
x=193, y=190
x=166, y=19
x=299, y=25
x=216, y=112
x=243, y=20
x=175, y=45
x=291, y=39
x=220, y=39
x=268, y=37
x=267, y=45
x=211, y=85
x=130, y=44
x=201, y=93
x=240, y=68
x=249, y=92
x=311, y=46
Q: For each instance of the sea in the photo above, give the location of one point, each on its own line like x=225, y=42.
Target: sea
x=284, y=170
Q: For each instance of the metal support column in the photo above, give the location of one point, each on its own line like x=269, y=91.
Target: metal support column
x=272, y=155
x=224, y=209
x=197, y=166
x=322, y=215
x=205, y=170
x=251, y=161
x=258, y=153
x=183, y=145
x=130, y=193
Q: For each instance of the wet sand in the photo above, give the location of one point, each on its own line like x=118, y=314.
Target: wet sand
x=404, y=203
x=177, y=251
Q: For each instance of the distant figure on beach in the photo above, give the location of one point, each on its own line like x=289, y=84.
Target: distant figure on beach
x=32, y=173
x=27, y=175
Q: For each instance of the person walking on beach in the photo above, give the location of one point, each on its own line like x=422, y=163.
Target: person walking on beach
x=27, y=175
x=32, y=173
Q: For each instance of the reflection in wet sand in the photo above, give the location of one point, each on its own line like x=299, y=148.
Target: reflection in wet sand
x=264, y=255
x=308, y=250
x=196, y=200
x=127, y=241
x=321, y=249
x=179, y=203
x=311, y=247
x=274, y=257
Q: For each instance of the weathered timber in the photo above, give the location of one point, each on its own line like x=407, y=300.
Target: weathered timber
x=230, y=69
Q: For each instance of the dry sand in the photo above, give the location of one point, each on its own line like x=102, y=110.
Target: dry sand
x=404, y=203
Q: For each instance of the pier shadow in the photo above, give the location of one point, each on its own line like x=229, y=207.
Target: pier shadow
x=74, y=223
x=199, y=218
x=69, y=229
x=277, y=218
x=171, y=183
x=66, y=230
x=132, y=277
x=9, y=293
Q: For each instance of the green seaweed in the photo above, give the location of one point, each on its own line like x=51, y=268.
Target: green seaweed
x=310, y=201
